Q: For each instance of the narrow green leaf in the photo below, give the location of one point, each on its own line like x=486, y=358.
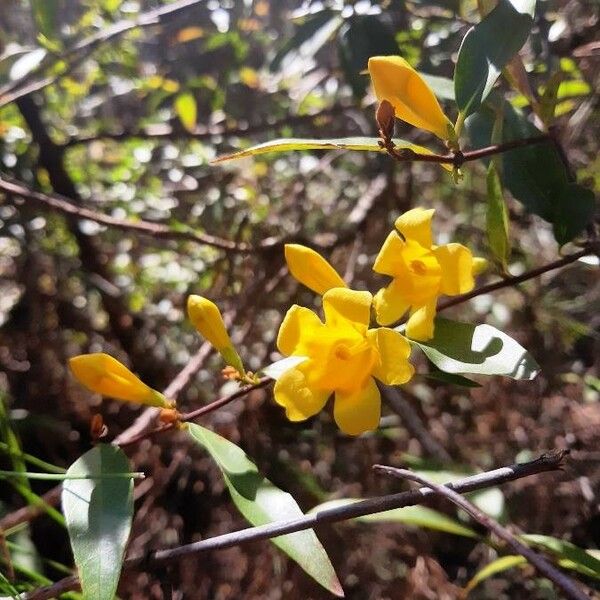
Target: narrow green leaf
x=486, y=49
x=580, y=560
x=496, y=566
x=98, y=514
x=261, y=502
x=483, y=349
x=366, y=144
x=419, y=516
x=44, y=15
x=549, y=98
x=185, y=107
x=497, y=218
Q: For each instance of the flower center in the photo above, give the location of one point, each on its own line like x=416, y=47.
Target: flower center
x=418, y=267
x=342, y=352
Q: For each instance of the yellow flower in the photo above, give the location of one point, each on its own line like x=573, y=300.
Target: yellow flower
x=105, y=375
x=397, y=82
x=342, y=357
x=421, y=273
x=206, y=318
x=311, y=269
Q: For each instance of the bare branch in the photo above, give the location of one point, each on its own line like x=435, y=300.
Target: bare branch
x=537, y=560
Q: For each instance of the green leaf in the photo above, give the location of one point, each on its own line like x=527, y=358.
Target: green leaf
x=185, y=107
x=261, y=502
x=98, y=514
x=486, y=49
x=497, y=218
x=496, y=566
x=44, y=15
x=365, y=144
x=452, y=379
x=574, y=207
x=535, y=174
x=579, y=559
x=483, y=349
x=442, y=87
x=419, y=516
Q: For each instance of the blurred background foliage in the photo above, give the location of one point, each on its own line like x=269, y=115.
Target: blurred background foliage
x=128, y=126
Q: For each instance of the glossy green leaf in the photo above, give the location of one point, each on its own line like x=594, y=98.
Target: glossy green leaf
x=261, y=502
x=442, y=87
x=452, y=379
x=483, y=349
x=419, y=516
x=535, y=174
x=98, y=514
x=365, y=144
x=185, y=107
x=497, y=218
x=486, y=49
x=496, y=566
x=579, y=559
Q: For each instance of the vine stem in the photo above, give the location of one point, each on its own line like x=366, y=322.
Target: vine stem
x=550, y=461
x=537, y=560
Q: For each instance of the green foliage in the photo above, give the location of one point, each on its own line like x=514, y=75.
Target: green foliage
x=486, y=49
x=261, y=502
x=98, y=512
x=497, y=218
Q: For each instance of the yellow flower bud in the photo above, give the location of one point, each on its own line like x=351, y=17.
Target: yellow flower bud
x=206, y=318
x=413, y=100
x=105, y=375
x=311, y=269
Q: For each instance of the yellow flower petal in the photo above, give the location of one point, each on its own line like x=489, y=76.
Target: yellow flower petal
x=207, y=319
x=394, y=351
x=300, y=400
x=299, y=322
x=390, y=303
x=389, y=255
x=397, y=82
x=420, y=324
x=358, y=411
x=105, y=375
x=415, y=224
x=457, y=269
x=311, y=269
x=344, y=307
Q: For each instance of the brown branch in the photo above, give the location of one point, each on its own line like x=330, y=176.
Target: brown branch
x=537, y=560
x=81, y=50
x=511, y=281
x=551, y=461
x=458, y=158
x=62, y=204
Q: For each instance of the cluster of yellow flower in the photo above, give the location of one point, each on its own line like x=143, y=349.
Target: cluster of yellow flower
x=341, y=356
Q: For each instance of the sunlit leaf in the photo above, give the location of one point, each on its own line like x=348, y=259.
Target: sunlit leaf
x=261, y=502
x=185, y=107
x=483, y=349
x=496, y=566
x=365, y=144
x=98, y=512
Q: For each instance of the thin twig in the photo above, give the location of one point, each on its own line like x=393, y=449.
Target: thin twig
x=550, y=461
x=542, y=565
x=511, y=281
